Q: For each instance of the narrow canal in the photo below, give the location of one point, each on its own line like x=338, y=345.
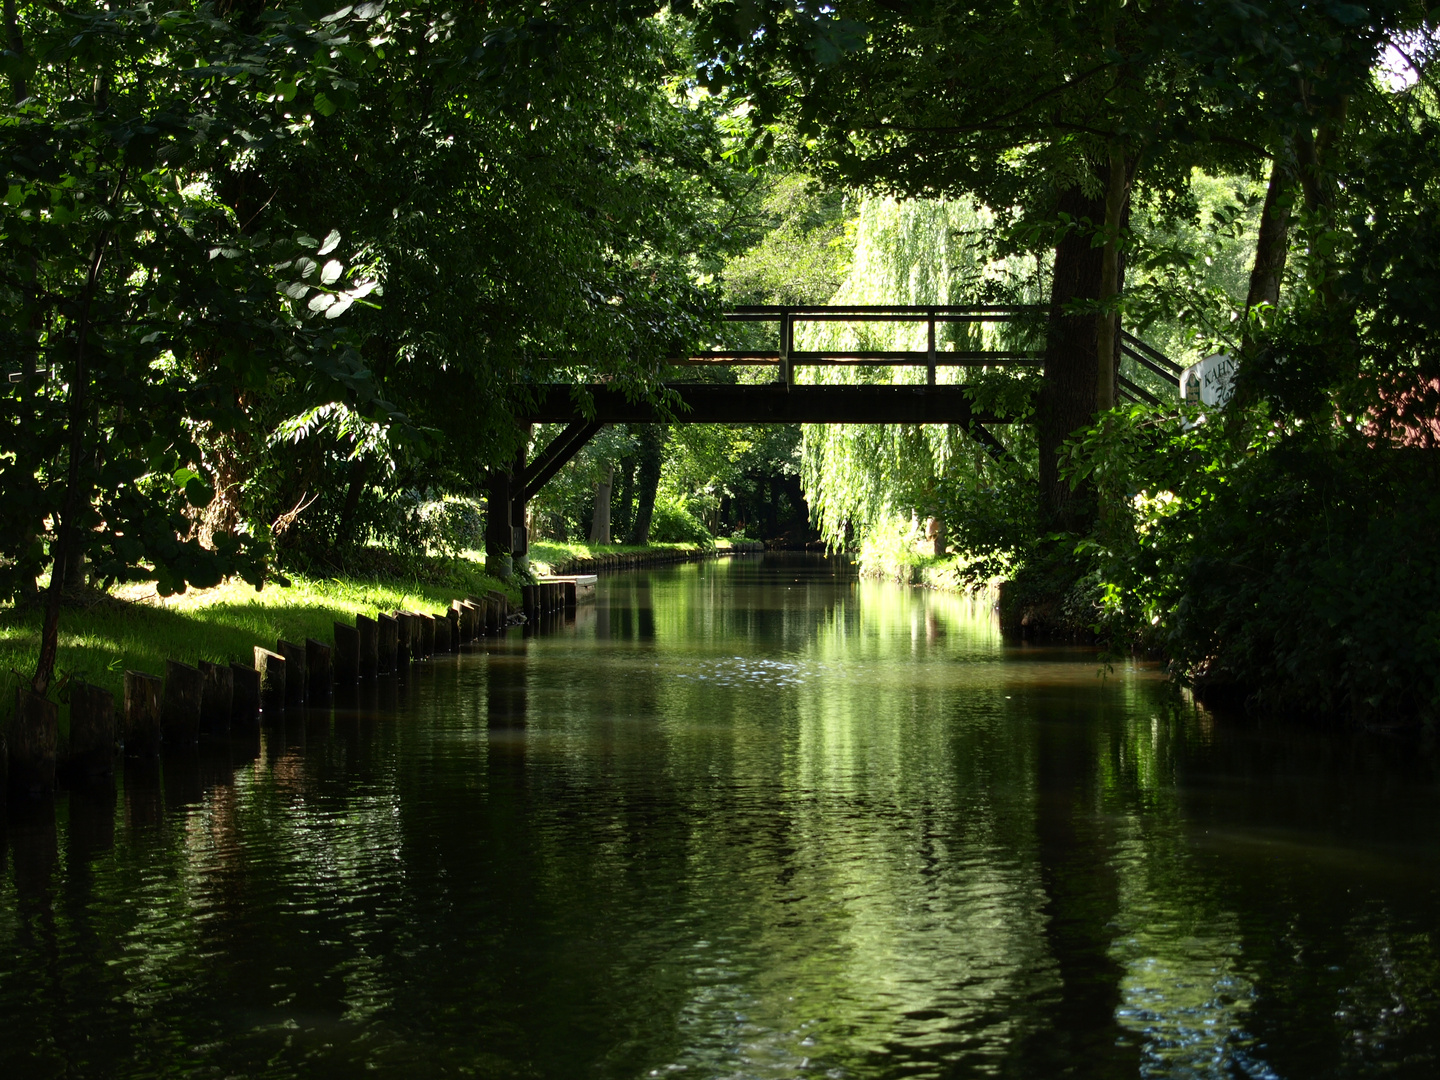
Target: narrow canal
x=741, y=819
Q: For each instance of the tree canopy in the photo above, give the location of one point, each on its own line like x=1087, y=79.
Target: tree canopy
x=257, y=257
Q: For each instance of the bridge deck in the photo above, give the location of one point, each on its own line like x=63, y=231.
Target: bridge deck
x=772, y=403
x=585, y=409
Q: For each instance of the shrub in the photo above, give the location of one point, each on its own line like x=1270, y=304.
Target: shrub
x=673, y=523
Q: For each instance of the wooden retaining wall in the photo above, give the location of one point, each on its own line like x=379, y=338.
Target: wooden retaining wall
x=170, y=713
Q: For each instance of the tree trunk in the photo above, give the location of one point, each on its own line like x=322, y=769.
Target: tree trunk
x=1272, y=245
x=771, y=507
x=498, y=535
x=344, y=529
x=1107, y=326
x=519, y=525
x=651, y=454
x=799, y=512
x=600, y=523
x=1312, y=154
x=624, y=519
x=1067, y=392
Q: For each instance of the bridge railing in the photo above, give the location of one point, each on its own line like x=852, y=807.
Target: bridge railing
x=788, y=357
x=932, y=358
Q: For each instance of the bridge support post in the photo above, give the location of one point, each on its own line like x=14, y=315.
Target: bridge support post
x=499, y=537
x=507, y=542
x=930, y=353
x=519, y=534
x=787, y=342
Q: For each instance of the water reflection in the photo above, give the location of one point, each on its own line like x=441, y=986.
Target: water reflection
x=747, y=819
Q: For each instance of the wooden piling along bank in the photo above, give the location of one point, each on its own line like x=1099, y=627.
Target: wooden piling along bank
x=172, y=713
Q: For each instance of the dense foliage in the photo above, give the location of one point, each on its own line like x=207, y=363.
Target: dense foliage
x=275, y=276
x=1283, y=549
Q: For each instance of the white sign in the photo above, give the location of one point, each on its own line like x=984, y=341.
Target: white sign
x=1210, y=382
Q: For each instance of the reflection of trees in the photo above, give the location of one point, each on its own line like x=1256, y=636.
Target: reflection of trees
x=825, y=822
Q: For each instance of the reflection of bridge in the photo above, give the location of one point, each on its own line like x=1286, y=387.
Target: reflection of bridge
x=783, y=401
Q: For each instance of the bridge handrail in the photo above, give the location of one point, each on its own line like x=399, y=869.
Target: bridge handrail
x=933, y=357
x=880, y=312
x=1134, y=343
x=878, y=357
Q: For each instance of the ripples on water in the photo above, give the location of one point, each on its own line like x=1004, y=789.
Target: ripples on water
x=749, y=820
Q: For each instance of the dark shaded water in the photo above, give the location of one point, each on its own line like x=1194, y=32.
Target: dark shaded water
x=744, y=819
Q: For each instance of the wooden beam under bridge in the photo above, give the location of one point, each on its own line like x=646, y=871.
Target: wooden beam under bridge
x=771, y=403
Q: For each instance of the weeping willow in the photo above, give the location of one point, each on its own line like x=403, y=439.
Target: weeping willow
x=860, y=478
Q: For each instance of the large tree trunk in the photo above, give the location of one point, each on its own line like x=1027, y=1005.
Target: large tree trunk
x=1068, y=391
x=651, y=453
x=1272, y=245
x=1313, y=166
x=345, y=527
x=600, y=523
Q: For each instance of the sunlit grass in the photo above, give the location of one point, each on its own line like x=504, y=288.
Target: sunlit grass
x=140, y=631
x=545, y=554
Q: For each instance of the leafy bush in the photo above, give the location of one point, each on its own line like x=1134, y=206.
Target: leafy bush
x=453, y=525
x=1288, y=566
x=673, y=523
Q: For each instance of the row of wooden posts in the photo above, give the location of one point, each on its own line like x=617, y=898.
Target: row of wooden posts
x=172, y=712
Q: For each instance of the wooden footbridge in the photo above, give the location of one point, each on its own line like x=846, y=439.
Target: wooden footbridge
x=784, y=401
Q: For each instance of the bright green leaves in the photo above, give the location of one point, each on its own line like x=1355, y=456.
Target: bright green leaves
x=128, y=239
x=198, y=493
x=322, y=285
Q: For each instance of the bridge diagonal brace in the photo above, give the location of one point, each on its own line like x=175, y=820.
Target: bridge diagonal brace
x=993, y=446
x=555, y=456
x=1137, y=392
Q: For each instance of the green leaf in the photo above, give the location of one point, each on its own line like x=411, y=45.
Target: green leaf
x=330, y=243
x=332, y=271
x=323, y=105
x=198, y=493
x=340, y=306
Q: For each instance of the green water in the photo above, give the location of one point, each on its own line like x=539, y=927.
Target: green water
x=748, y=818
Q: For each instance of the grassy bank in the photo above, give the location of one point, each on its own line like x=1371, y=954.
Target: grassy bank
x=101, y=639
x=897, y=557
x=545, y=555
